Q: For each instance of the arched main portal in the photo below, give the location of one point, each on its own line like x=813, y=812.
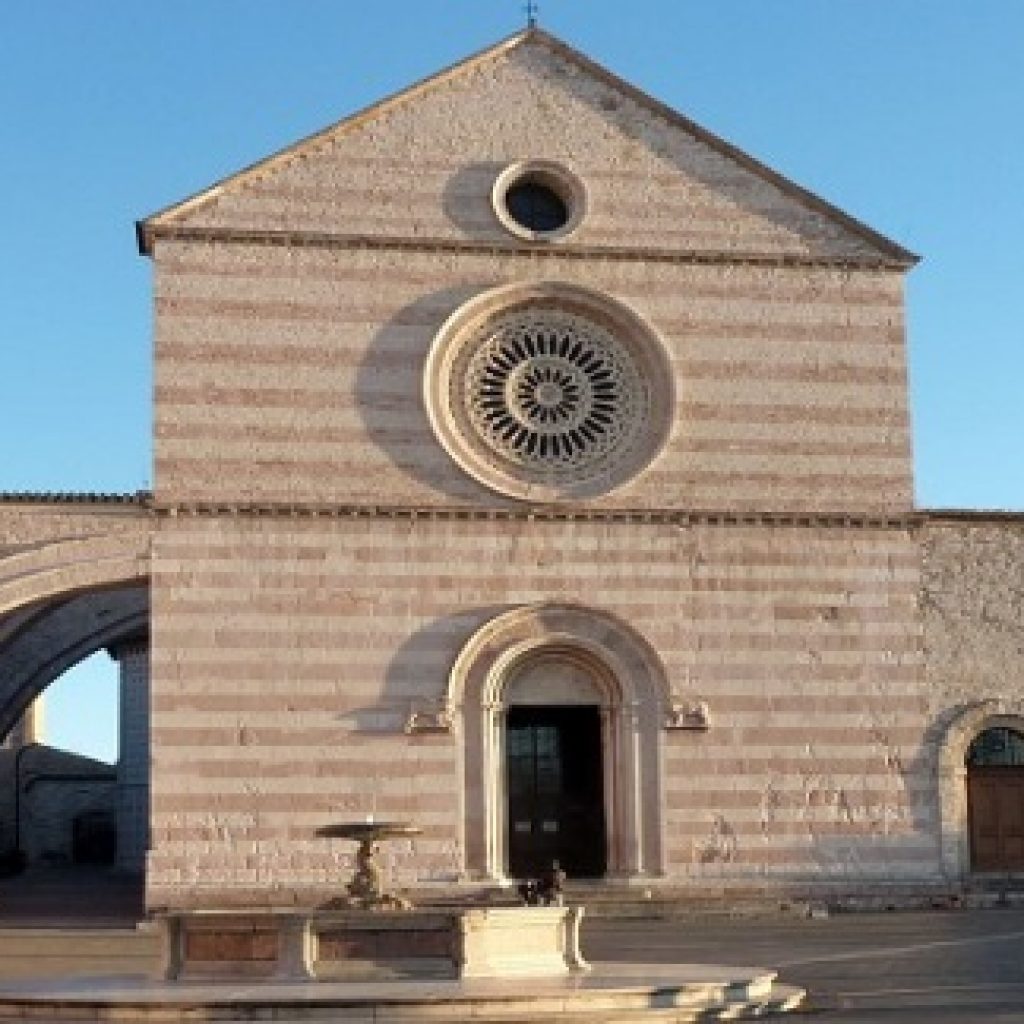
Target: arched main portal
x=550, y=685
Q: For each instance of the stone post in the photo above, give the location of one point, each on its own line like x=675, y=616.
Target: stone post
x=132, y=657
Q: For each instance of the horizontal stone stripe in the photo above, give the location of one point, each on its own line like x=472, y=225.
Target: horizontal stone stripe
x=714, y=463
x=784, y=769
x=303, y=434
x=825, y=703
x=193, y=846
x=690, y=607
x=237, y=422
x=325, y=802
x=866, y=852
x=845, y=798
x=228, y=636
x=270, y=788
x=318, y=765
x=845, y=677
x=172, y=462
x=743, y=541
x=176, y=399
x=404, y=370
x=332, y=423
x=698, y=215
x=196, y=269
x=870, y=825
x=698, y=229
x=198, y=314
x=875, y=815
x=670, y=224
x=300, y=823
x=225, y=403
x=689, y=620
x=348, y=339
x=265, y=736
x=690, y=339
x=244, y=712
x=783, y=576
x=354, y=313
x=698, y=560
x=401, y=382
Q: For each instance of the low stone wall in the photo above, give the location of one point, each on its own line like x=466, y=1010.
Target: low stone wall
x=477, y=943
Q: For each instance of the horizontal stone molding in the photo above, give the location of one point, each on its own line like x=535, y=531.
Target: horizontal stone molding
x=560, y=514
x=151, y=234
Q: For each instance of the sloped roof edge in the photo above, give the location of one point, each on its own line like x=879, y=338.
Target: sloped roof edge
x=891, y=249
x=144, y=227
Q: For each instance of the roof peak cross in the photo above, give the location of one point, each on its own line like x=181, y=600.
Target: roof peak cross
x=532, y=10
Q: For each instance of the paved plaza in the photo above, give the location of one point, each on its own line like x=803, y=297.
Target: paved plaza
x=947, y=966
x=942, y=965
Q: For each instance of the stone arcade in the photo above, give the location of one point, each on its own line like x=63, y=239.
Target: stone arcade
x=533, y=465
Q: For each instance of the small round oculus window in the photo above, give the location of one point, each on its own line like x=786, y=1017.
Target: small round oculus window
x=536, y=207
x=538, y=200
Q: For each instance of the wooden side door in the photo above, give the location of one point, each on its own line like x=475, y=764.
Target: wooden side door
x=995, y=805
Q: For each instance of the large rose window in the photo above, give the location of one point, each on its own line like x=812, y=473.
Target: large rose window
x=550, y=397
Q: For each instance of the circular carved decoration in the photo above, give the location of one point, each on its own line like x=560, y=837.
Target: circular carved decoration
x=550, y=391
x=556, y=395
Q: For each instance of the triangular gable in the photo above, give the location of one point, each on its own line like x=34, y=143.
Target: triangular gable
x=305, y=187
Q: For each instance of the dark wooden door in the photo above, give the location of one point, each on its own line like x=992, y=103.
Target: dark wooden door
x=995, y=805
x=555, y=791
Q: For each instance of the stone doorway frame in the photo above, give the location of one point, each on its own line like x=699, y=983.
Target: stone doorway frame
x=633, y=695
x=954, y=823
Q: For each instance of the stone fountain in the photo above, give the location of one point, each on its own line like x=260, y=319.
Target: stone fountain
x=365, y=892
x=367, y=933
x=375, y=956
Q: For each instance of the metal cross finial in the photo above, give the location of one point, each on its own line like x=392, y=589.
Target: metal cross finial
x=532, y=9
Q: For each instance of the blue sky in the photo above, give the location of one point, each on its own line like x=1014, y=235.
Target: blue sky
x=906, y=113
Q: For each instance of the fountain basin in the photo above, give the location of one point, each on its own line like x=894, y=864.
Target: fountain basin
x=496, y=942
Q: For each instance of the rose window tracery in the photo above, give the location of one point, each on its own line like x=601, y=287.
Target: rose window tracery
x=549, y=398
x=550, y=392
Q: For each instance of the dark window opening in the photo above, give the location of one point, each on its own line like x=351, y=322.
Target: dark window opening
x=536, y=207
x=997, y=748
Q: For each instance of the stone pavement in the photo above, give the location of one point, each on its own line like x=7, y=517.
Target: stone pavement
x=944, y=966
x=955, y=966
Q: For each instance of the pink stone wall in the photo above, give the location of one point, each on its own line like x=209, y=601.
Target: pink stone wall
x=297, y=376
x=287, y=655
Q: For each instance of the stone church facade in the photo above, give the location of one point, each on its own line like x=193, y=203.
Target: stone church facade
x=534, y=466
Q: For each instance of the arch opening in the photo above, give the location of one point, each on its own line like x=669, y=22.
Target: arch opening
x=561, y=709
x=995, y=798
x=981, y=790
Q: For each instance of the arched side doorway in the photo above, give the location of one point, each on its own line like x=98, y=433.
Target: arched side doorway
x=995, y=798
x=561, y=711
x=981, y=804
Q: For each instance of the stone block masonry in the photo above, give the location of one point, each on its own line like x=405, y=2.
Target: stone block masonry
x=288, y=656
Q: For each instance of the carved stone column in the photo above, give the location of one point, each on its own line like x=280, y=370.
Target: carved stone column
x=132, y=657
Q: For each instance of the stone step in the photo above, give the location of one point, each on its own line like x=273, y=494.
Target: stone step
x=76, y=952
x=657, y=993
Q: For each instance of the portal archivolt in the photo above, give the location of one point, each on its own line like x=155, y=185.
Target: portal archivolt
x=562, y=656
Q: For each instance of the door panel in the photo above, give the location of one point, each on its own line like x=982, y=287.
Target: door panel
x=555, y=791
x=995, y=804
